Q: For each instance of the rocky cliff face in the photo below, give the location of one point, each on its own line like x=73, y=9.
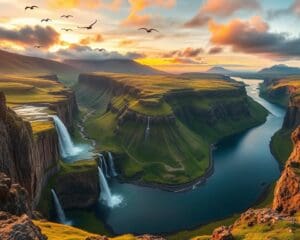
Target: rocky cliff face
x=292, y=117
x=27, y=159
x=287, y=192
x=78, y=189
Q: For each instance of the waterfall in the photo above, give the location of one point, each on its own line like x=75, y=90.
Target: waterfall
x=66, y=146
x=105, y=195
x=147, y=128
x=59, y=210
x=104, y=166
x=112, y=165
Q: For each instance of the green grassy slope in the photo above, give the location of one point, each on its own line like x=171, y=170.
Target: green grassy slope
x=186, y=117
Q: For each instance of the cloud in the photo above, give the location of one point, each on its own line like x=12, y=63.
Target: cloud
x=215, y=50
x=89, y=4
x=127, y=42
x=294, y=8
x=186, y=53
x=30, y=35
x=220, y=8
x=189, y=61
x=76, y=51
x=91, y=39
x=136, y=6
x=253, y=36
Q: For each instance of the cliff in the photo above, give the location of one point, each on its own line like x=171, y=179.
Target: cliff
x=292, y=117
x=78, y=189
x=287, y=192
x=27, y=158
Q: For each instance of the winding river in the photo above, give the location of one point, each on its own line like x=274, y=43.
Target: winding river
x=243, y=167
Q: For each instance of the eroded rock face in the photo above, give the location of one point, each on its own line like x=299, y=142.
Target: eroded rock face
x=13, y=198
x=78, y=189
x=222, y=233
x=18, y=228
x=287, y=191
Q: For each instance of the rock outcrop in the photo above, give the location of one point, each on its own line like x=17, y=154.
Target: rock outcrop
x=18, y=228
x=222, y=233
x=287, y=192
x=13, y=198
x=78, y=189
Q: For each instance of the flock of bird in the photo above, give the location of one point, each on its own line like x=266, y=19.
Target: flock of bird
x=89, y=27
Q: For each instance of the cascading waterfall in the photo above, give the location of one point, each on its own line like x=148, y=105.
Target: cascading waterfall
x=147, y=128
x=106, y=195
x=112, y=165
x=66, y=146
x=104, y=165
x=59, y=210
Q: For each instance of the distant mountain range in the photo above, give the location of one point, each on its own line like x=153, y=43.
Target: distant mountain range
x=276, y=71
x=16, y=63
x=113, y=65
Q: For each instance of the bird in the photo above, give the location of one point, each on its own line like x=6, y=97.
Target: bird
x=149, y=30
x=66, y=16
x=31, y=7
x=99, y=49
x=37, y=46
x=66, y=29
x=90, y=26
x=46, y=20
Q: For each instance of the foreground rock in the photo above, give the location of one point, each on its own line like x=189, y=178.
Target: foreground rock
x=18, y=228
x=222, y=233
x=287, y=192
x=13, y=198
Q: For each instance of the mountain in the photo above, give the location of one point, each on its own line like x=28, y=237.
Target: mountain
x=280, y=70
x=113, y=65
x=219, y=70
x=16, y=63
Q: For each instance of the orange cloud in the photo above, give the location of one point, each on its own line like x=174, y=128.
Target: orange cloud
x=135, y=19
x=126, y=42
x=90, y=4
x=93, y=39
x=227, y=7
x=220, y=8
x=253, y=36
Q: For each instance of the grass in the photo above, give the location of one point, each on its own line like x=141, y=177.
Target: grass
x=281, y=145
x=205, y=230
x=39, y=127
x=174, y=152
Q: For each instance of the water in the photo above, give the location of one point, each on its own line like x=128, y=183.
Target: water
x=106, y=196
x=147, y=131
x=241, y=164
x=59, y=210
x=112, y=165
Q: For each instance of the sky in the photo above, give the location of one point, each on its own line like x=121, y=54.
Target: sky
x=194, y=35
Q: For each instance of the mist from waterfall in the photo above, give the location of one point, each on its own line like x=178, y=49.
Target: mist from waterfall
x=66, y=145
x=106, y=196
x=59, y=210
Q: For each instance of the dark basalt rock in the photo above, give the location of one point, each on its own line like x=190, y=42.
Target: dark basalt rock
x=18, y=228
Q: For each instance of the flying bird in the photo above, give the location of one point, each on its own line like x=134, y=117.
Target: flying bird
x=149, y=30
x=100, y=49
x=37, y=46
x=66, y=16
x=90, y=26
x=66, y=29
x=46, y=20
x=31, y=7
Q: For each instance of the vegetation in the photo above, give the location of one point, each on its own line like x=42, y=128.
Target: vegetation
x=183, y=124
x=281, y=145
x=26, y=89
